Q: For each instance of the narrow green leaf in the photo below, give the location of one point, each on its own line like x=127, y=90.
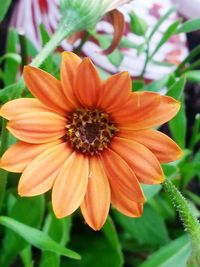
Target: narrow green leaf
x=195, y=138
x=37, y=238
x=11, y=67
x=190, y=26
x=176, y=253
x=192, y=55
x=137, y=24
x=177, y=88
x=59, y=230
x=31, y=213
x=193, y=76
x=178, y=126
x=160, y=21
x=4, y=8
x=157, y=85
x=165, y=37
x=111, y=235
x=15, y=57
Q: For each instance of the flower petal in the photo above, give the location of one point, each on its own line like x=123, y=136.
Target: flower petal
x=37, y=127
x=121, y=177
x=125, y=205
x=140, y=159
x=69, y=65
x=46, y=88
x=87, y=83
x=164, y=148
x=139, y=106
x=96, y=203
x=70, y=185
x=40, y=174
x=116, y=18
x=15, y=107
x=19, y=155
x=166, y=110
x=116, y=91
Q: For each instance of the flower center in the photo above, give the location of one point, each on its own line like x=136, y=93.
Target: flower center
x=89, y=130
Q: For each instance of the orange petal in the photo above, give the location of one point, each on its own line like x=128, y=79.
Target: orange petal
x=69, y=65
x=139, y=106
x=125, y=205
x=19, y=155
x=13, y=108
x=95, y=206
x=37, y=127
x=87, y=83
x=165, y=111
x=46, y=88
x=164, y=148
x=40, y=174
x=140, y=159
x=121, y=177
x=70, y=185
x=116, y=91
x=116, y=18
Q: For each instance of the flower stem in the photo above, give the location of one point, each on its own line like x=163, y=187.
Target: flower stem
x=69, y=24
x=190, y=222
x=3, y=173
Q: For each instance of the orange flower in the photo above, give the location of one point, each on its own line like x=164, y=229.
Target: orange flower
x=89, y=140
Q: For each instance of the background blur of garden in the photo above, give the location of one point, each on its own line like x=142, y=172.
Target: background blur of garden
x=160, y=48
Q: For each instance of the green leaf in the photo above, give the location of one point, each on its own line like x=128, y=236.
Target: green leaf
x=160, y=22
x=37, y=238
x=195, y=138
x=151, y=190
x=190, y=26
x=4, y=8
x=176, y=253
x=11, y=67
x=137, y=24
x=15, y=57
x=165, y=37
x=48, y=64
x=111, y=235
x=193, y=76
x=192, y=55
x=177, y=88
x=59, y=230
x=149, y=229
x=137, y=85
x=178, y=126
x=31, y=213
x=156, y=86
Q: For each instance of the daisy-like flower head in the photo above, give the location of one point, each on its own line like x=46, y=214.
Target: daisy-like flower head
x=91, y=141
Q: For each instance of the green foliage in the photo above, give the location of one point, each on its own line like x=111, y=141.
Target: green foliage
x=176, y=253
x=137, y=24
x=37, y=238
x=190, y=26
x=150, y=229
x=4, y=8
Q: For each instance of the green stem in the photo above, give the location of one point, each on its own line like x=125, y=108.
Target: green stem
x=68, y=25
x=62, y=32
x=146, y=60
x=190, y=222
x=3, y=173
